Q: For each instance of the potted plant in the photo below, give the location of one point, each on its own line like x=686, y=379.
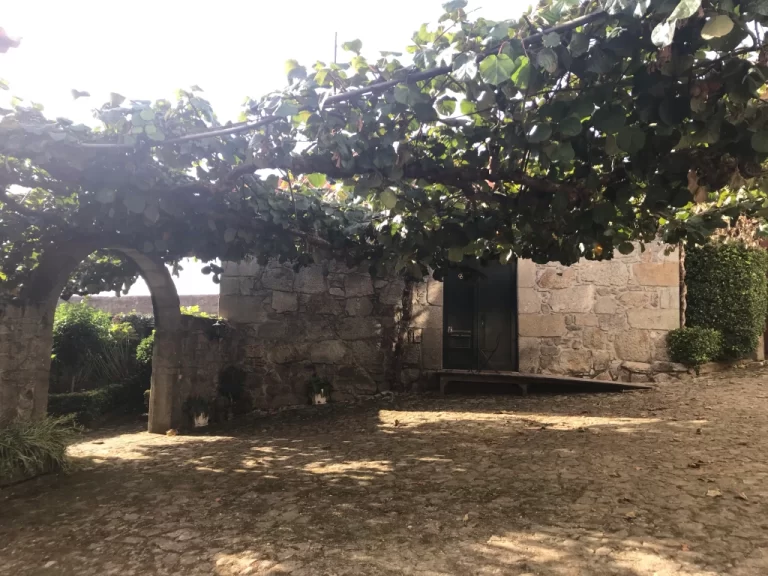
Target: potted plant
x=319, y=390
x=199, y=410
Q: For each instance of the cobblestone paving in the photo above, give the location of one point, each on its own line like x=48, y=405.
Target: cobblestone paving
x=672, y=481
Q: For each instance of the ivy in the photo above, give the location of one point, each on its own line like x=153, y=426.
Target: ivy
x=694, y=346
x=727, y=292
x=564, y=134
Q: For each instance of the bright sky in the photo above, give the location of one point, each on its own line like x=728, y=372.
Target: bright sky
x=231, y=48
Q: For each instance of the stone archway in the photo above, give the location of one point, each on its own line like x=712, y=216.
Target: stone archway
x=26, y=334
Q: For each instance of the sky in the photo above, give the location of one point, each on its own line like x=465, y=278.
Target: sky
x=232, y=49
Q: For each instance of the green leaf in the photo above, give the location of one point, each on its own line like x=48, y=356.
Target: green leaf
x=287, y=108
x=685, y=9
x=497, y=69
x=465, y=66
x=388, y=199
x=456, y=254
x=717, y=27
x=147, y=114
x=551, y=40
x=609, y=119
x=229, y=235
x=152, y=213
x=759, y=141
x=116, y=99
x=539, y=133
x=295, y=71
x=611, y=148
x=317, y=180
x=626, y=248
x=446, y=105
x=522, y=75
x=579, y=44
x=454, y=5
x=563, y=152
x=58, y=136
x=571, y=126
x=353, y=46
x=79, y=94
x=547, y=59
x=630, y=139
x=135, y=203
x=106, y=196
x=467, y=107
x=663, y=34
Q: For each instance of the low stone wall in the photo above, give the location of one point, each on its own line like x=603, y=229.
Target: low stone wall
x=208, y=303
x=589, y=318
x=329, y=320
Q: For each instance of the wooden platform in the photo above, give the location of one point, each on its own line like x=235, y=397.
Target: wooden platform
x=523, y=381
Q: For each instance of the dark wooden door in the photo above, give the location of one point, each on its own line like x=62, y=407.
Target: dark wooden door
x=480, y=320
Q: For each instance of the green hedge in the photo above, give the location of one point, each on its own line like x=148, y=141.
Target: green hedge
x=88, y=405
x=694, y=346
x=727, y=291
x=32, y=447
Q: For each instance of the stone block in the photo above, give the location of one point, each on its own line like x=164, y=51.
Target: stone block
x=272, y=330
x=593, y=338
x=668, y=367
x=354, y=381
x=392, y=293
x=434, y=292
x=638, y=367
x=310, y=280
x=359, y=306
x=635, y=299
x=370, y=355
x=585, y=319
x=601, y=360
x=358, y=285
x=242, y=309
x=278, y=279
x=322, y=304
x=604, y=273
x=606, y=305
x=657, y=273
x=428, y=317
x=336, y=291
x=328, y=352
x=540, y=325
x=669, y=298
x=553, y=279
x=528, y=301
x=604, y=376
x=359, y=327
x=284, y=301
x=243, y=268
x=526, y=273
x=528, y=355
x=654, y=319
x=282, y=354
x=432, y=354
x=573, y=299
x=229, y=285
x=613, y=322
x=633, y=345
x=637, y=378
x=574, y=362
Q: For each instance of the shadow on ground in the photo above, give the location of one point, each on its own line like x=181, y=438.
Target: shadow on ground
x=668, y=482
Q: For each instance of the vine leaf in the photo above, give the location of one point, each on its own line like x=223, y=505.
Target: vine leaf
x=717, y=27
x=759, y=141
x=497, y=69
x=539, y=133
x=663, y=34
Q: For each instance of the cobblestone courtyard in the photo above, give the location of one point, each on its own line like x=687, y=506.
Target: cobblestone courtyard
x=672, y=481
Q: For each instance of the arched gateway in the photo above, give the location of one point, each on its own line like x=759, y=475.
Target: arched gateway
x=26, y=333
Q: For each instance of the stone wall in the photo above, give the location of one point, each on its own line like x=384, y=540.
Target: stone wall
x=589, y=318
x=208, y=303
x=328, y=320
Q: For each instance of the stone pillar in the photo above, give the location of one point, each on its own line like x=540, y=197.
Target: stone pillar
x=25, y=360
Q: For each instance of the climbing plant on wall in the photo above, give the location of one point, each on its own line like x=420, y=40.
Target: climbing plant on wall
x=566, y=133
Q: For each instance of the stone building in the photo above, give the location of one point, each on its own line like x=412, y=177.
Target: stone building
x=604, y=320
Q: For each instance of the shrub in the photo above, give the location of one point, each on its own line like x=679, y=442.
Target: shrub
x=695, y=345
x=143, y=324
x=79, y=330
x=727, y=291
x=31, y=447
x=89, y=405
x=144, y=351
